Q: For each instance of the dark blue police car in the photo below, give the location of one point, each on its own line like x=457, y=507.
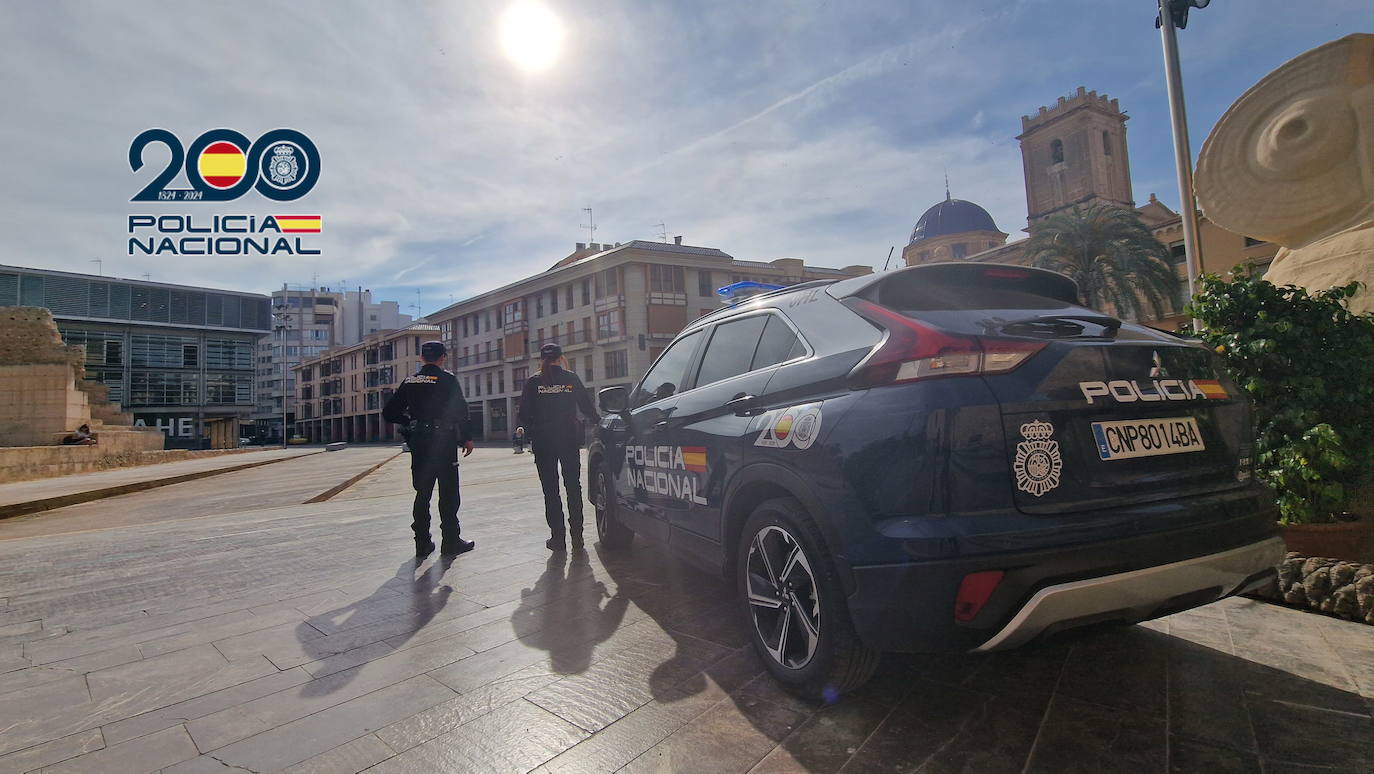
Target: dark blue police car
x=945, y=457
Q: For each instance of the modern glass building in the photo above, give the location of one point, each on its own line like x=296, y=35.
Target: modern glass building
x=178, y=358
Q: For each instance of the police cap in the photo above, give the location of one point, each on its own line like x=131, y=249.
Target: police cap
x=433, y=350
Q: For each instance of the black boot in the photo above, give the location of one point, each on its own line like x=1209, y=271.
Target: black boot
x=423, y=547
x=457, y=546
x=556, y=543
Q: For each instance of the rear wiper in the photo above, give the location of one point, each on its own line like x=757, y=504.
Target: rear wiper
x=1062, y=326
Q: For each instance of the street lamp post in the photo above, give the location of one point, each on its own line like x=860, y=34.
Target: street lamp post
x=1173, y=14
x=284, y=323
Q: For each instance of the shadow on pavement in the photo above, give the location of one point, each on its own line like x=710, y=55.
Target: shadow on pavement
x=1117, y=698
x=563, y=613
x=418, y=597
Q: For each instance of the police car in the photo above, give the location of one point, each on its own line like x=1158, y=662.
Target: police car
x=945, y=457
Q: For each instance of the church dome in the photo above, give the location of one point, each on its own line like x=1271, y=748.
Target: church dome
x=952, y=216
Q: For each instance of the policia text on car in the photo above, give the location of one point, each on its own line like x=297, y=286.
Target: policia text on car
x=433, y=416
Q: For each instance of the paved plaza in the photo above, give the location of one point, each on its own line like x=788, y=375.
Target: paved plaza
x=222, y=625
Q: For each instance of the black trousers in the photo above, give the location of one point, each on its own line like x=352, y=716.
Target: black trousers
x=548, y=458
x=434, y=461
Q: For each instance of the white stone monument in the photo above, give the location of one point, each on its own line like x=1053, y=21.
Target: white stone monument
x=1292, y=162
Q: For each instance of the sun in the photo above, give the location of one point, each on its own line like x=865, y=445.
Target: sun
x=531, y=35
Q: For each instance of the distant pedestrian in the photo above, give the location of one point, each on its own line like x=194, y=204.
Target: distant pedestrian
x=548, y=413
x=518, y=440
x=81, y=436
x=433, y=418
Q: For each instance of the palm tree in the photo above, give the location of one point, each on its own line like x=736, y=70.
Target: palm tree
x=1111, y=254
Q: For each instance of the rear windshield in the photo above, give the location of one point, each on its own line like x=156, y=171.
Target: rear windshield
x=975, y=287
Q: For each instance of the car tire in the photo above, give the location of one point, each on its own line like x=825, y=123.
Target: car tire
x=610, y=531
x=796, y=614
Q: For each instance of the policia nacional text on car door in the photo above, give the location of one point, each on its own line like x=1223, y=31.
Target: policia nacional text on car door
x=945, y=457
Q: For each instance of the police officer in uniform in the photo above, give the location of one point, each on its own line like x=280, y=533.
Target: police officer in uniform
x=548, y=414
x=433, y=418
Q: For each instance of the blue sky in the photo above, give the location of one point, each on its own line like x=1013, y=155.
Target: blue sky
x=767, y=129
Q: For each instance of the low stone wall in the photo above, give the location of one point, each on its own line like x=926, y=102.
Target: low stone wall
x=1344, y=589
x=116, y=449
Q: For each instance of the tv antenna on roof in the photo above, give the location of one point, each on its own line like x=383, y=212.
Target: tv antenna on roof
x=662, y=231
x=590, y=225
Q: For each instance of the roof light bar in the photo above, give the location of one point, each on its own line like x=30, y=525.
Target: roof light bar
x=739, y=291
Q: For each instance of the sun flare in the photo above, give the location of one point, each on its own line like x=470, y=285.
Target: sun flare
x=531, y=35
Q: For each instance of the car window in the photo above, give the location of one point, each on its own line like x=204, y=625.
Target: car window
x=666, y=376
x=778, y=345
x=731, y=349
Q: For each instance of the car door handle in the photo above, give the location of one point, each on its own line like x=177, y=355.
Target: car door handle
x=662, y=424
x=745, y=406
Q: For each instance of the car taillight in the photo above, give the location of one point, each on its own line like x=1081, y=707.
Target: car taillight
x=915, y=351
x=974, y=592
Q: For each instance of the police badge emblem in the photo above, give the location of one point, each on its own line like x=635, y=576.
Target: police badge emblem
x=1038, y=463
x=283, y=166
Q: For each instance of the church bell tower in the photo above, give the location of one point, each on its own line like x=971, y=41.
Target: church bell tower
x=1074, y=153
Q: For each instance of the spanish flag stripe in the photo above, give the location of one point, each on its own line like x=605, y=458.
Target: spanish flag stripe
x=222, y=164
x=694, y=458
x=1211, y=388
x=299, y=223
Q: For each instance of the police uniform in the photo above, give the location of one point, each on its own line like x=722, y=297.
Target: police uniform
x=433, y=416
x=548, y=412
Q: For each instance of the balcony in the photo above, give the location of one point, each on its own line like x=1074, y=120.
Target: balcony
x=480, y=358
x=574, y=340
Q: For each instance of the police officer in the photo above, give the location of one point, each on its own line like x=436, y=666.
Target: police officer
x=433, y=416
x=548, y=414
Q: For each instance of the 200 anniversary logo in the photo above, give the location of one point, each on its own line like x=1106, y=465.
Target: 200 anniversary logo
x=222, y=165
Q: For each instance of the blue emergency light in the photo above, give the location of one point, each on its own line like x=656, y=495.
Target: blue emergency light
x=737, y=292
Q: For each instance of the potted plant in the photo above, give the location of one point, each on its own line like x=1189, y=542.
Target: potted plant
x=1308, y=363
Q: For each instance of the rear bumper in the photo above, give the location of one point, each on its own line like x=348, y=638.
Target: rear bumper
x=909, y=606
x=1139, y=595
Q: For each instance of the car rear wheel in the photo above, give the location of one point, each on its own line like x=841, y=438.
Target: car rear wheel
x=794, y=605
x=609, y=530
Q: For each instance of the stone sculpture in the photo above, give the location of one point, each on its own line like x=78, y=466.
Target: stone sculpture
x=1292, y=162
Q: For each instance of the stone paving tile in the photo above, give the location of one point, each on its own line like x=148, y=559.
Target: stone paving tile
x=348, y=758
x=609, y=689
x=1124, y=668
x=306, y=637
x=928, y=719
x=1190, y=755
x=439, y=720
x=731, y=736
x=293, y=742
x=826, y=740
x=200, y=706
x=1078, y=736
x=248, y=719
x=147, y=754
x=632, y=735
x=48, y=753
x=1294, y=733
x=57, y=670
x=514, y=738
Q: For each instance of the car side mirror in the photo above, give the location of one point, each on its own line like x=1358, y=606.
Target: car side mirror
x=613, y=399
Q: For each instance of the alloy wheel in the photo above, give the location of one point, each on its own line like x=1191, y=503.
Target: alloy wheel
x=600, y=504
x=784, y=600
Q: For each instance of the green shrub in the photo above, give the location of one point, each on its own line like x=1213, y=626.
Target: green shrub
x=1308, y=362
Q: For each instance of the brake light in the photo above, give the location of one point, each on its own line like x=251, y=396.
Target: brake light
x=914, y=351
x=974, y=592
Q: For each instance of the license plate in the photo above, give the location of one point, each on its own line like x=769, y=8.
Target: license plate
x=1130, y=438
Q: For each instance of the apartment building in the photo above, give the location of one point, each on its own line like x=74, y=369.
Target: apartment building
x=613, y=309
x=340, y=392
x=178, y=358
x=307, y=322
